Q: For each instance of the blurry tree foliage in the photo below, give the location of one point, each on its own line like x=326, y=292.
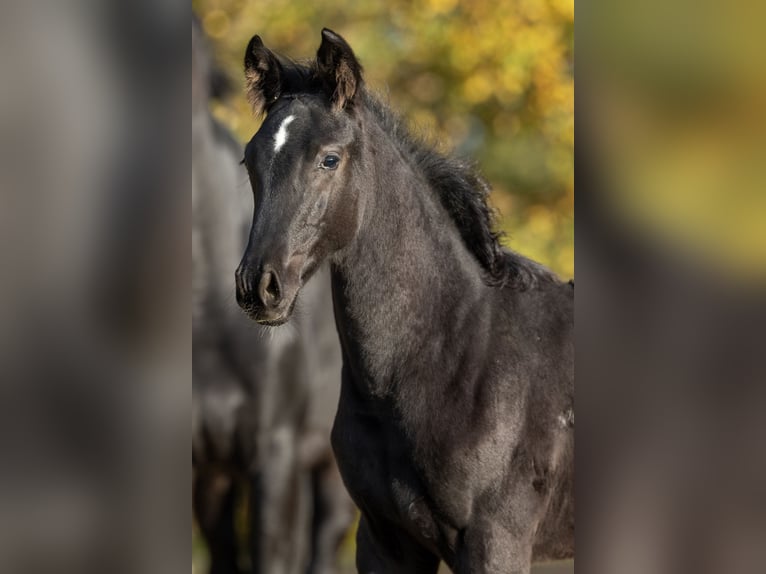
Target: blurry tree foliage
x=491, y=80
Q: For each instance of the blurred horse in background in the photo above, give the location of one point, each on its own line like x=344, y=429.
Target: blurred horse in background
x=263, y=404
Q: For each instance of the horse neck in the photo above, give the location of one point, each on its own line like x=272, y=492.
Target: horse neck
x=405, y=278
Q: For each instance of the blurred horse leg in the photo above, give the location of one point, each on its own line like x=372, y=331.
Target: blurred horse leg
x=279, y=497
x=214, y=501
x=334, y=514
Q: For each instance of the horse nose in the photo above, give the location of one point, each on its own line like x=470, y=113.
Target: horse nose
x=270, y=288
x=258, y=287
x=244, y=280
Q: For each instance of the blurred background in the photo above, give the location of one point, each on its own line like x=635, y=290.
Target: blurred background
x=492, y=81
x=674, y=100
x=670, y=315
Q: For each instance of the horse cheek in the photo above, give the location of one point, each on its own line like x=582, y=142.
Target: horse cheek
x=343, y=220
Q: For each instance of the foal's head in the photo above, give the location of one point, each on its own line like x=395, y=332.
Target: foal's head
x=304, y=165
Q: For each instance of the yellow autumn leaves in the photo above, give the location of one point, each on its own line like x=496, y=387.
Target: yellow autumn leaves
x=491, y=80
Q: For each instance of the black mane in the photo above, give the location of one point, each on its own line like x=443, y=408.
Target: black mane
x=458, y=186
x=464, y=194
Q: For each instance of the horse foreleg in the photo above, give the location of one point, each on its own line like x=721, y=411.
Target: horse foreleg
x=489, y=548
x=382, y=548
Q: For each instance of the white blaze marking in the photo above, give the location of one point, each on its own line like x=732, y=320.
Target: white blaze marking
x=281, y=137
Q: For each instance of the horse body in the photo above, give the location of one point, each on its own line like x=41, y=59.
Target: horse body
x=461, y=387
x=454, y=432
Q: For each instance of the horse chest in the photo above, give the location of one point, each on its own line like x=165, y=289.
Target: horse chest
x=374, y=461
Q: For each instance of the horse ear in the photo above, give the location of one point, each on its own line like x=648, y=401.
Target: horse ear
x=339, y=69
x=263, y=75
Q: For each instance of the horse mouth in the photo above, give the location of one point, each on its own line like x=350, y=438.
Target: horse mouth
x=272, y=322
x=270, y=317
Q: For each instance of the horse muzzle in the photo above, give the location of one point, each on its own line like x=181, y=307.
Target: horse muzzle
x=265, y=294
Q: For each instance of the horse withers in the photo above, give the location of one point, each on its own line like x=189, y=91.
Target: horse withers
x=455, y=428
x=262, y=404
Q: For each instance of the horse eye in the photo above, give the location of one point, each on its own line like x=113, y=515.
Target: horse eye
x=330, y=161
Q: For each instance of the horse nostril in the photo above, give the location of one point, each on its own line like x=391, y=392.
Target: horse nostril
x=269, y=289
x=273, y=287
